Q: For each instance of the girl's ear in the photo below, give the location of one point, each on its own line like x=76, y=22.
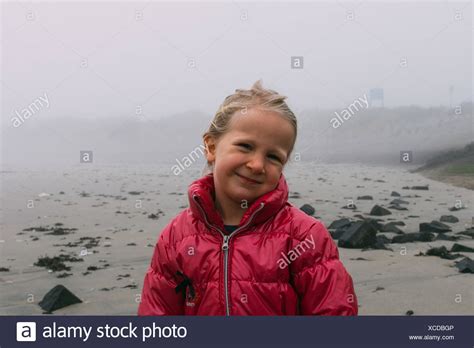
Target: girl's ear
x=210, y=145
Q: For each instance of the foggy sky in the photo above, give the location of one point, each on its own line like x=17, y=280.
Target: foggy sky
x=348, y=48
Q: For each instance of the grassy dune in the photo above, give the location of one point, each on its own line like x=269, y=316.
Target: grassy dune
x=455, y=167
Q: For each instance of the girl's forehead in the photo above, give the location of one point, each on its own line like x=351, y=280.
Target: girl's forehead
x=270, y=127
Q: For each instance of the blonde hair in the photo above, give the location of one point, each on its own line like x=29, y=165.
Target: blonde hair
x=242, y=100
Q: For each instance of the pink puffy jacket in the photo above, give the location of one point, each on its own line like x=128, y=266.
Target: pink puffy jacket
x=279, y=261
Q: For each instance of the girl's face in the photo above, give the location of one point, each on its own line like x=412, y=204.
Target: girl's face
x=249, y=158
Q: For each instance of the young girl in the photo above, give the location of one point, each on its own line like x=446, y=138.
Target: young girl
x=241, y=248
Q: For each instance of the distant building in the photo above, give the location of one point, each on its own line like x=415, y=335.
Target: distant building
x=376, y=97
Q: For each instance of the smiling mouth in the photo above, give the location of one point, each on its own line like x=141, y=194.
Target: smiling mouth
x=248, y=180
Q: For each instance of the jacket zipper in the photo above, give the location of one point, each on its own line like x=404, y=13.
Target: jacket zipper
x=225, y=249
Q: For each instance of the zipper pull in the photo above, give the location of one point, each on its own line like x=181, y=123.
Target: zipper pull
x=225, y=245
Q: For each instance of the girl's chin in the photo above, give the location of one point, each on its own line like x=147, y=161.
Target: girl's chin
x=243, y=194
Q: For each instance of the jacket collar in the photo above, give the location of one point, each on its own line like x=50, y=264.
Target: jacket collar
x=201, y=202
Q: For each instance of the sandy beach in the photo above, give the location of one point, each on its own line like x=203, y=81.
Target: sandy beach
x=111, y=216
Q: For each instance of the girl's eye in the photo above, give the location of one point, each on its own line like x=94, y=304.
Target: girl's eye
x=275, y=157
x=247, y=146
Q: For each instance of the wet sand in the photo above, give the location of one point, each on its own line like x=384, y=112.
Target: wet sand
x=122, y=209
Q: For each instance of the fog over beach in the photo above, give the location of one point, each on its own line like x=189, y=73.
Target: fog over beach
x=101, y=134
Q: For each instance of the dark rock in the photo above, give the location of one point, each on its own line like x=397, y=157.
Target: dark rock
x=379, y=211
x=360, y=234
x=397, y=207
x=462, y=248
x=441, y=251
x=409, y=312
x=405, y=187
x=366, y=198
x=338, y=233
x=397, y=201
x=423, y=187
x=350, y=206
x=391, y=227
x=375, y=223
x=58, y=297
x=342, y=227
x=443, y=236
x=339, y=223
x=308, y=209
x=395, y=194
x=384, y=239
x=449, y=218
x=468, y=232
x=413, y=237
x=4, y=269
x=466, y=265
x=434, y=226
x=379, y=244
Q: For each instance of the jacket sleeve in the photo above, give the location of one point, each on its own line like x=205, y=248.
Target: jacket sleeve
x=323, y=285
x=158, y=295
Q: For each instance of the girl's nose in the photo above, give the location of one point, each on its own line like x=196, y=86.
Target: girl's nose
x=256, y=165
